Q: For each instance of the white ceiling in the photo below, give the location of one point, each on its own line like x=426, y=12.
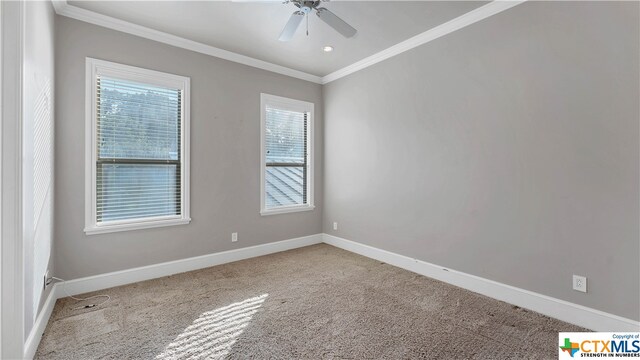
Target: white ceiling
x=252, y=28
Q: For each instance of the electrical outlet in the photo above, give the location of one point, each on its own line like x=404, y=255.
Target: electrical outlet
x=234, y=237
x=335, y=226
x=46, y=279
x=580, y=283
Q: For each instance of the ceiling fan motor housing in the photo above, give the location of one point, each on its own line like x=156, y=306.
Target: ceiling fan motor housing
x=306, y=6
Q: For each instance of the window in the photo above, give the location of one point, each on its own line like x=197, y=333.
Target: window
x=286, y=183
x=137, y=148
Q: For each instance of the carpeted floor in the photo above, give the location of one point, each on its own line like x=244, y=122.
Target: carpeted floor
x=310, y=303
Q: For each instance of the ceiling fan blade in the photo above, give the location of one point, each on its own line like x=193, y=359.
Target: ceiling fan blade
x=336, y=23
x=291, y=27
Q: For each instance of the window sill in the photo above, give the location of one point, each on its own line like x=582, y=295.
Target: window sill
x=286, y=210
x=134, y=226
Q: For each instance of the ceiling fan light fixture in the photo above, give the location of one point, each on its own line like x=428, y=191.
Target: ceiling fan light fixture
x=327, y=48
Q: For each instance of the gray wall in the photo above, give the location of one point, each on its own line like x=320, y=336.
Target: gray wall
x=225, y=155
x=38, y=79
x=508, y=150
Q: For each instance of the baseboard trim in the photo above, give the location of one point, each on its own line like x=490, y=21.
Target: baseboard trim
x=32, y=342
x=563, y=310
x=559, y=309
x=124, y=277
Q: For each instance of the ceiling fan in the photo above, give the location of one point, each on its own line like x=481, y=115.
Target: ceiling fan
x=307, y=7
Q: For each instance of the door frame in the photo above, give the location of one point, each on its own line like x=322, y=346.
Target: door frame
x=11, y=227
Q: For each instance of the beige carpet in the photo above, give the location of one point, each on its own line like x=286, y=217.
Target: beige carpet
x=311, y=303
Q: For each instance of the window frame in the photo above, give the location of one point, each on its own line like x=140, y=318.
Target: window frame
x=94, y=68
x=291, y=105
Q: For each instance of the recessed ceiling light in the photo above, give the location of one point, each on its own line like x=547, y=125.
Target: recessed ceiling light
x=327, y=48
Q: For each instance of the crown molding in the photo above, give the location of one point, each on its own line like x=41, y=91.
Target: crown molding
x=439, y=31
x=64, y=9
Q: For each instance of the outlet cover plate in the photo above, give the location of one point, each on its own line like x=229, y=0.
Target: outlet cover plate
x=46, y=278
x=580, y=283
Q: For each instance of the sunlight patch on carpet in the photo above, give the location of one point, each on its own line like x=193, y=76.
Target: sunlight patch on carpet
x=213, y=333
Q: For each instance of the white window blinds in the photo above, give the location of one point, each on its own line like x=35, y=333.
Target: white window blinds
x=138, y=163
x=286, y=157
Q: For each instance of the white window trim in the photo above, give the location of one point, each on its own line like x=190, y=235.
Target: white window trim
x=292, y=105
x=95, y=67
